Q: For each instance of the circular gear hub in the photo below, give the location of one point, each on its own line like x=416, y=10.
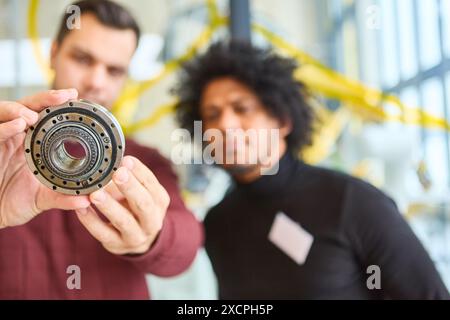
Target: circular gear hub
x=74, y=148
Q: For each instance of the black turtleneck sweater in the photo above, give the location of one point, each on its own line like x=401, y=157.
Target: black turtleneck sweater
x=353, y=226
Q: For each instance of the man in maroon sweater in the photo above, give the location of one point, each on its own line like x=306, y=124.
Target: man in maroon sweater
x=54, y=246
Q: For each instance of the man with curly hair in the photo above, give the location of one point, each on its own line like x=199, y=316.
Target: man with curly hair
x=301, y=232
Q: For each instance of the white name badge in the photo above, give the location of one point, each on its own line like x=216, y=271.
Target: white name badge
x=290, y=238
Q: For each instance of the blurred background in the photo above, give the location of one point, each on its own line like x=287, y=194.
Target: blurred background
x=378, y=69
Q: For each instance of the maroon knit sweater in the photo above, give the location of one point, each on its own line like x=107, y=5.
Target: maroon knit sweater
x=34, y=257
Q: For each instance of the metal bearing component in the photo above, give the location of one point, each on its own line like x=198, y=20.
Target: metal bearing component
x=74, y=148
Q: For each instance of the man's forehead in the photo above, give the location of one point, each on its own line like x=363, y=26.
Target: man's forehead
x=104, y=43
x=229, y=89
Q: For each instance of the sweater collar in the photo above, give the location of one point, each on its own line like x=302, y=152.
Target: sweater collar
x=273, y=184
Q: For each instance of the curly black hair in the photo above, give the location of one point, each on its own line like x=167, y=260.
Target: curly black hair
x=267, y=74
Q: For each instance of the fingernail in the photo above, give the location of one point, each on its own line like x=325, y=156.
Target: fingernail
x=29, y=116
x=19, y=124
x=121, y=176
x=72, y=92
x=98, y=196
x=128, y=162
x=66, y=93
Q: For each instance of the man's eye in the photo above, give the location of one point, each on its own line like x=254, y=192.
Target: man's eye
x=82, y=59
x=211, y=116
x=116, y=72
x=241, y=109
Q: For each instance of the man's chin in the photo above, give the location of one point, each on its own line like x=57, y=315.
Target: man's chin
x=239, y=169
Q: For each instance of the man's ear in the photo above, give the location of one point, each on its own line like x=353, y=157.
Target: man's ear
x=285, y=128
x=53, y=53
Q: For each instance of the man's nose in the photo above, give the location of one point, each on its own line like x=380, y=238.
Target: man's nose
x=229, y=120
x=96, y=77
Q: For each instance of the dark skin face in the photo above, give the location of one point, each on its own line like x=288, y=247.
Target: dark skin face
x=229, y=104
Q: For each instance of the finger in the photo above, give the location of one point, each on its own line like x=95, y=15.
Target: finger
x=44, y=99
x=114, y=191
x=139, y=199
x=11, y=129
x=49, y=199
x=98, y=228
x=144, y=175
x=10, y=110
x=119, y=216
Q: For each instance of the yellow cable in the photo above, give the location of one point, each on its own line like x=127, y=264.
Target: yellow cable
x=33, y=34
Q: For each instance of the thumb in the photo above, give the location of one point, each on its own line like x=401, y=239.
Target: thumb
x=43, y=99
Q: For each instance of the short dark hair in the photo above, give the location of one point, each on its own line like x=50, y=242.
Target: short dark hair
x=107, y=12
x=269, y=75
